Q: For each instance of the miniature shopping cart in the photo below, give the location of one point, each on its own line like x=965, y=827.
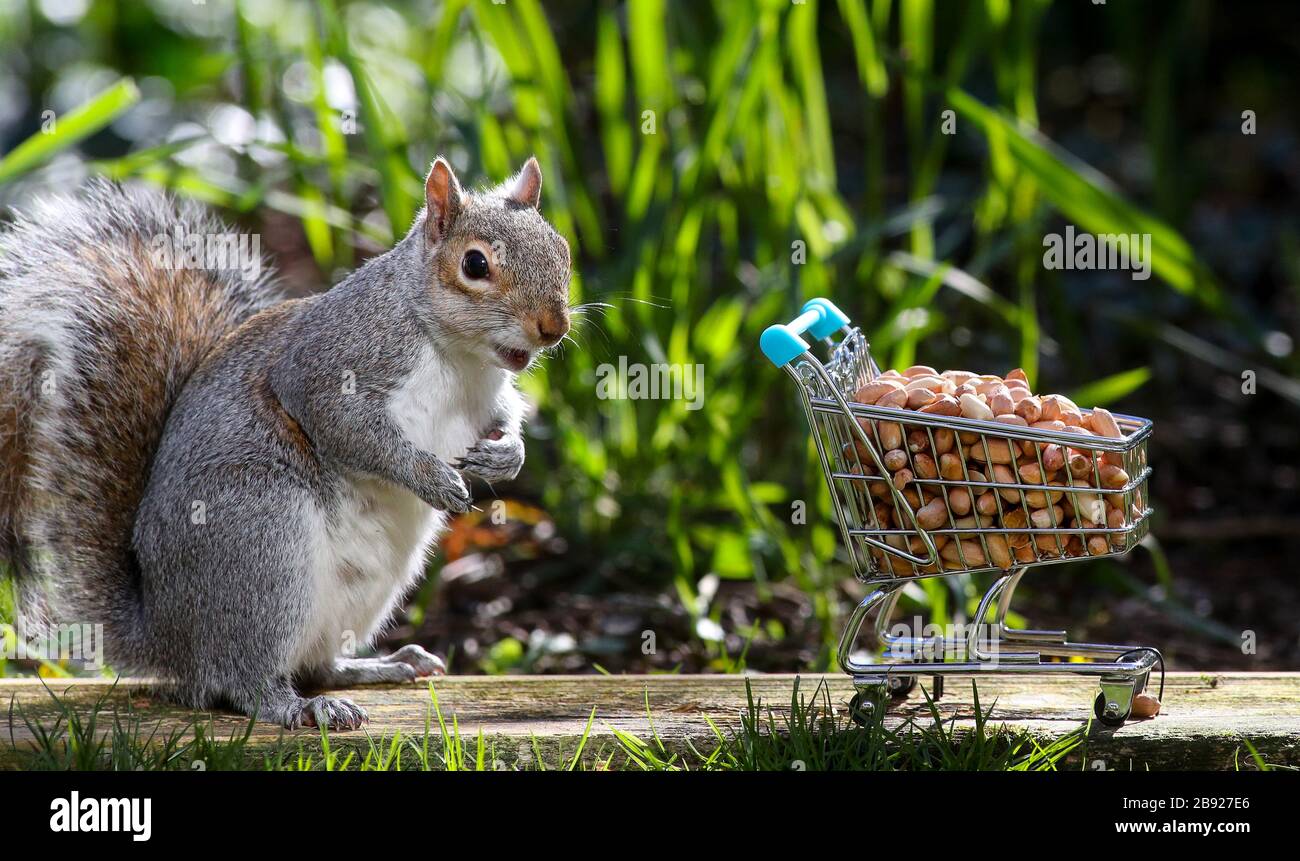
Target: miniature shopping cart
x=888, y=548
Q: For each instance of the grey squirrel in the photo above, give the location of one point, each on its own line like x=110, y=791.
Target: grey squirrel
x=234, y=484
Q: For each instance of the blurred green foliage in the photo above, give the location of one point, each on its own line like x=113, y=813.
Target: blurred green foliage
x=713, y=164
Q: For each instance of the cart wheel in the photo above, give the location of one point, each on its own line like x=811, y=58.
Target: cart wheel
x=901, y=686
x=1099, y=708
x=862, y=708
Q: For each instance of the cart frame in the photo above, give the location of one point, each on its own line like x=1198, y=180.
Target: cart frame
x=848, y=441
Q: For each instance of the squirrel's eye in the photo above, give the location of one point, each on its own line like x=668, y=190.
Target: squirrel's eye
x=474, y=265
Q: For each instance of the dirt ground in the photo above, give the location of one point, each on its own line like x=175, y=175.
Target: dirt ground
x=1232, y=605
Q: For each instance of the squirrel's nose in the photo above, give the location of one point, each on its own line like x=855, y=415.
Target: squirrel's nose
x=549, y=327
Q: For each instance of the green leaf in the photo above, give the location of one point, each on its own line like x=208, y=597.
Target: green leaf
x=871, y=70
x=1088, y=198
x=611, y=95
x=80, y=123
x=731, y=557
x=1107, y=390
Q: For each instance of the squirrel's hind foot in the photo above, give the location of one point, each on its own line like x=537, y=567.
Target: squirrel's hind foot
x=334, y=713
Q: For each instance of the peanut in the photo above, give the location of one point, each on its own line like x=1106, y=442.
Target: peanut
x=971, y=551
x=999, y=551
x=972, y=522
x=1053, y=458
x=884, y=515
x=1002, y=474
x=1016, y=518
x=932, y=514
x=1000, y=401
x=1030, y=409
x=1052, y=406
x=1047, y=545
x=874, y=390
x=1080, y=463
x=1112, y=476
x=1088, y=505
x=925, y=466
x=1040, y=498
x=930, y=383
x=917, y=546
x=1144, y=706
x=890, y=435
x=1102, y=423
x=950, y=467
x=848, y=456
x=1115, y=520
x=893, y=399
x=895, y=459
x=974, y=408
x=1047, y=518
x=917, y=398
x=944, y=405
x=998, y=452
x=1032, y=473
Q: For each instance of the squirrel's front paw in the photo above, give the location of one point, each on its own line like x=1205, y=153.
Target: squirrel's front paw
x=495, y=459
x=442, y=487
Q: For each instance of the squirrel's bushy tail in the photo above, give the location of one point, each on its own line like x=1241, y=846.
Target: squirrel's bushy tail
x=100, y=327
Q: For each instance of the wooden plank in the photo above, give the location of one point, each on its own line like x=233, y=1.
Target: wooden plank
x=1204, y=720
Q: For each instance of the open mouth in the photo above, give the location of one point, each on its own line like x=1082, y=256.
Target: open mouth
x=515, y=360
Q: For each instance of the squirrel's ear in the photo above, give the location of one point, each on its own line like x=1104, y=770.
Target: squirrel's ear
x=442, y=199
x=526, y=188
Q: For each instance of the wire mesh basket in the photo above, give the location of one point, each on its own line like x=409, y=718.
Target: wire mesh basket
x=994, y=519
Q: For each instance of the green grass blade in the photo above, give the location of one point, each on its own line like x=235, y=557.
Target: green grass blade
x=611, y=95
x=80, y=123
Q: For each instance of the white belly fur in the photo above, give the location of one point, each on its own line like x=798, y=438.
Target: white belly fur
x=372, y=547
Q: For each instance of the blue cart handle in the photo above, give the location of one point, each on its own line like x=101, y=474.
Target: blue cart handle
x=781, y=342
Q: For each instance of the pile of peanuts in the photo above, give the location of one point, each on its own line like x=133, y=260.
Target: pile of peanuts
x=914, y=455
